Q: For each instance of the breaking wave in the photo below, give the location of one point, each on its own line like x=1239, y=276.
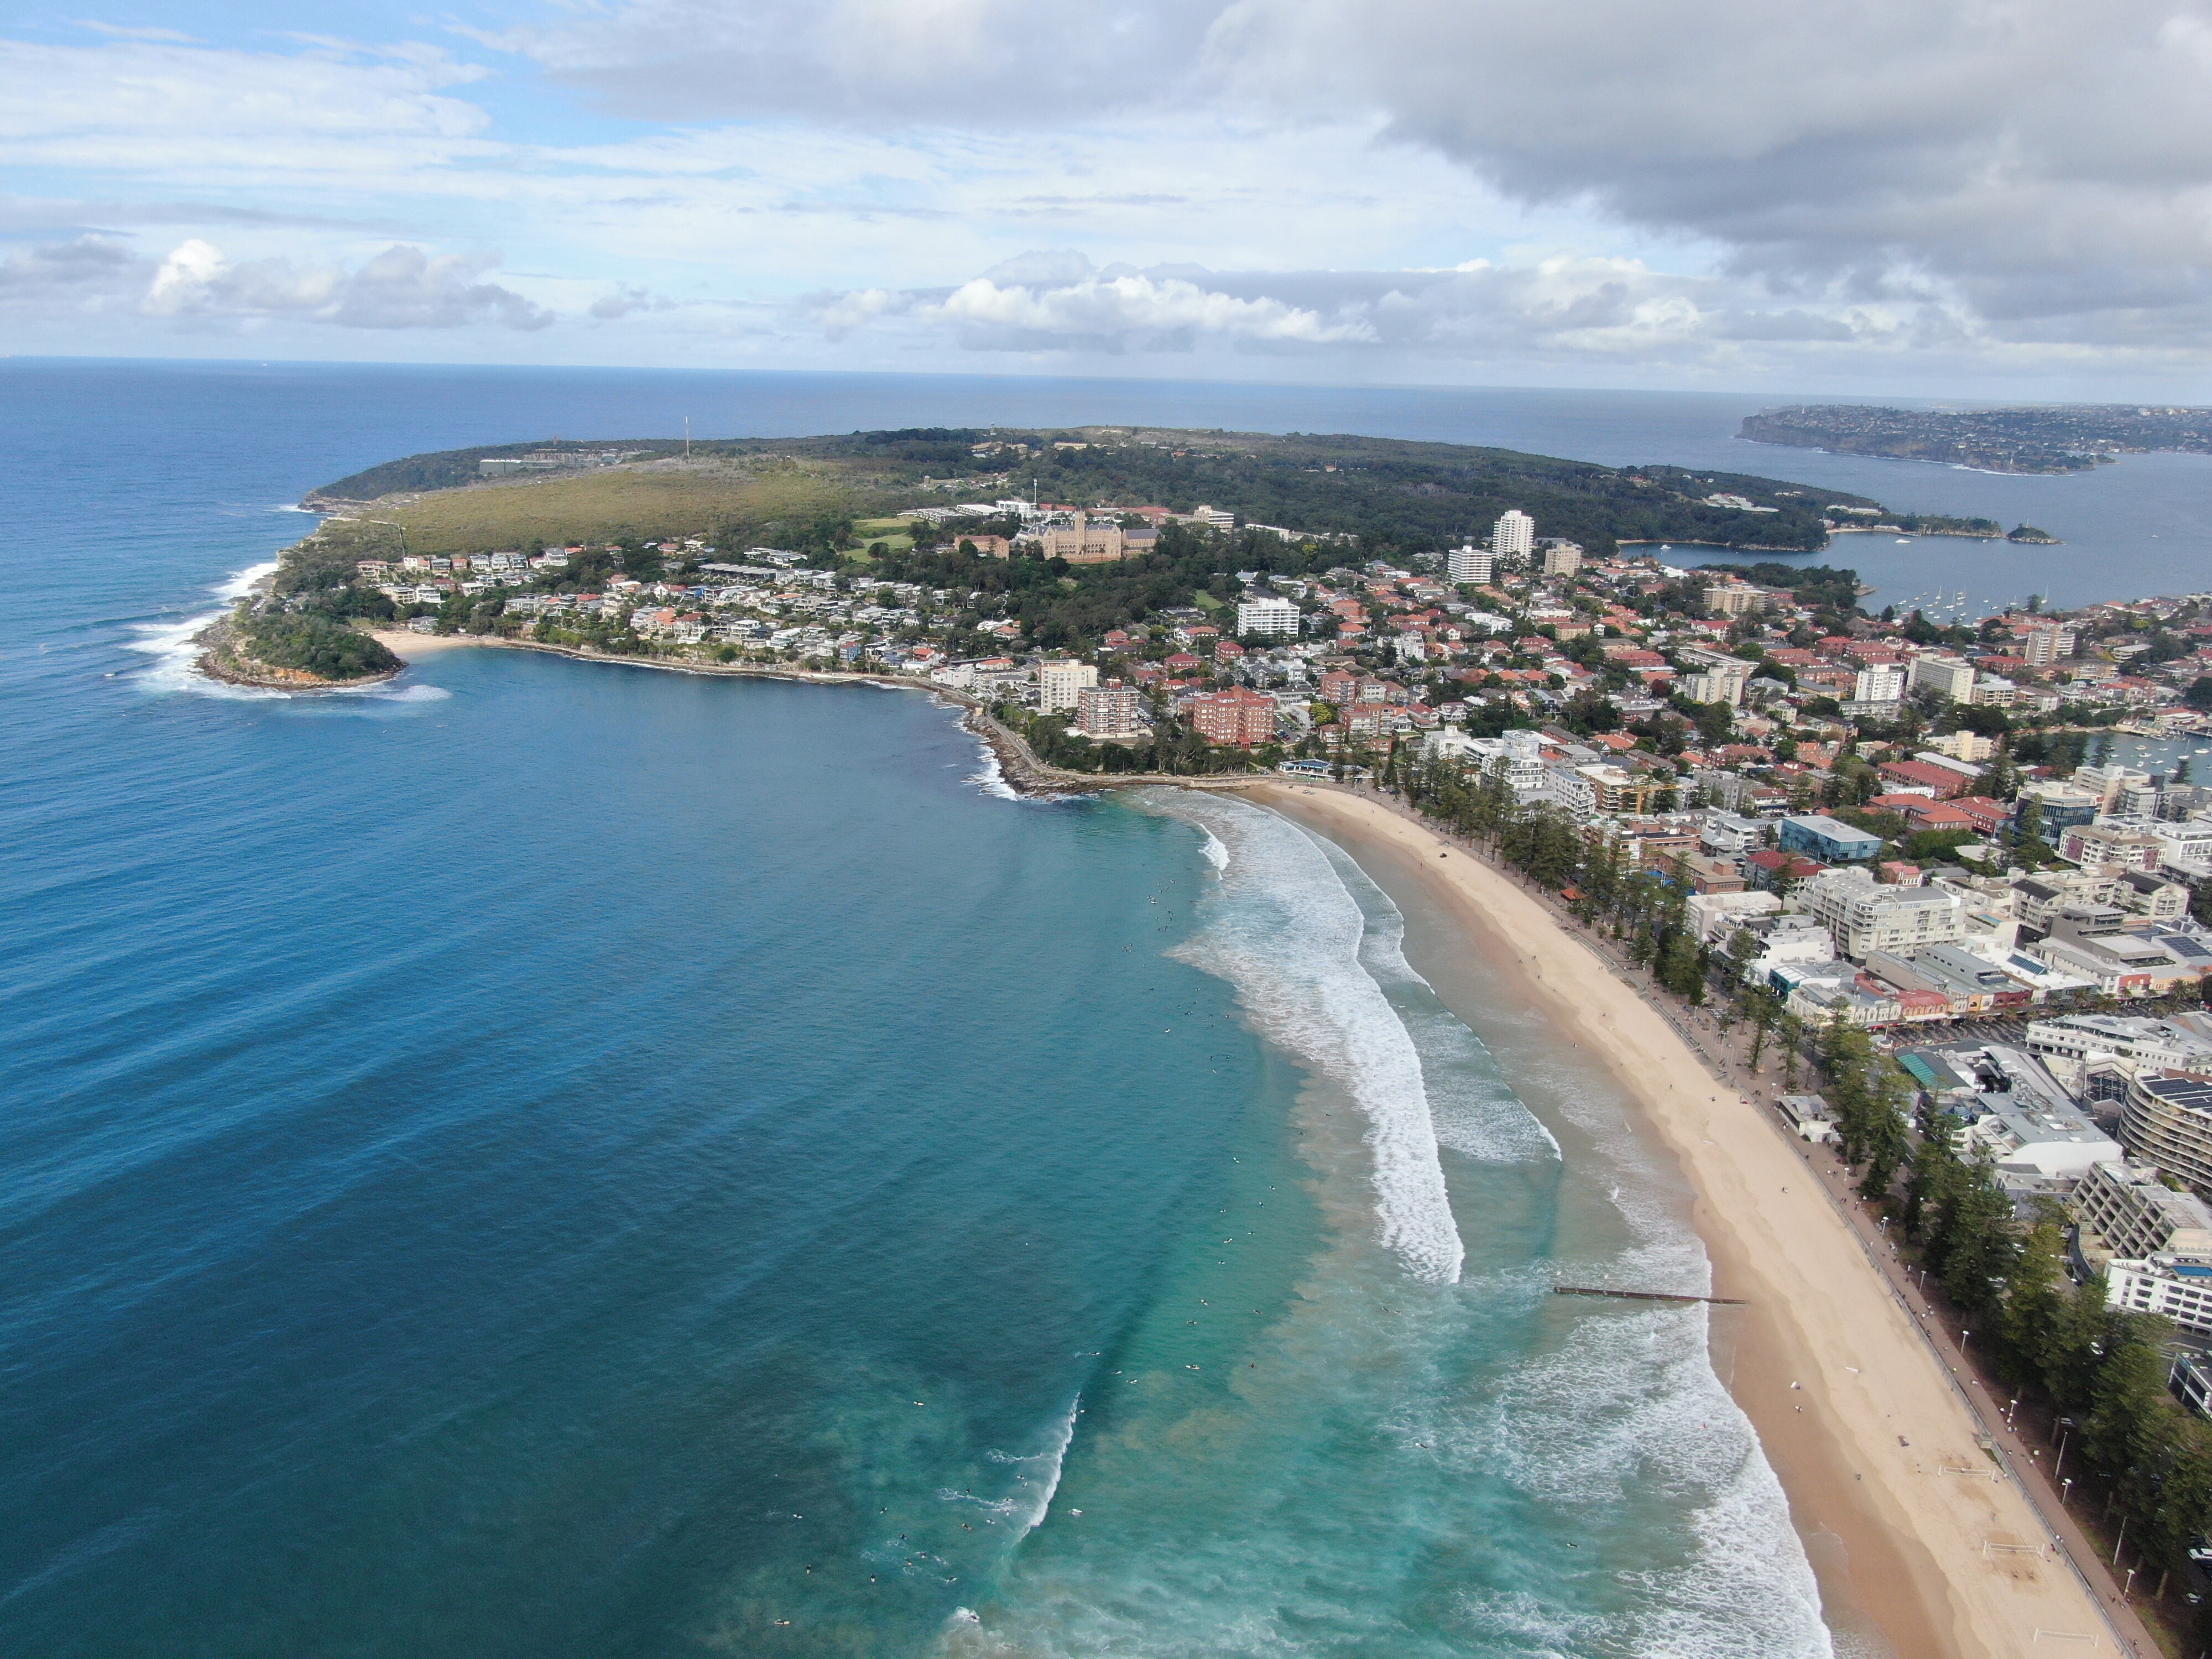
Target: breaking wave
x=1287, y=934
x=1475, y=1111
x=176, y=658
x=1627, y=1418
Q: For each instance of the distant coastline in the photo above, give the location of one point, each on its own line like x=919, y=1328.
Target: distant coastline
x=2038, y=438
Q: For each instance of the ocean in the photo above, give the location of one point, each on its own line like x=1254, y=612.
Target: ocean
x=547, y=1158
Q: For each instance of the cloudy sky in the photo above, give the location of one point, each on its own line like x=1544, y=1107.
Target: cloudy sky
x=1940, y=197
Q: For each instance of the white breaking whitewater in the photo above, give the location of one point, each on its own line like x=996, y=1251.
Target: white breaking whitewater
x=1287, y=934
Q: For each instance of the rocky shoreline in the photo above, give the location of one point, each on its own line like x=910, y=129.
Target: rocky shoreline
x=222, y=659
x=1018, y=766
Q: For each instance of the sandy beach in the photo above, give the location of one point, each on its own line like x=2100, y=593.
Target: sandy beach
x=1905, y=1515
x=410, y=646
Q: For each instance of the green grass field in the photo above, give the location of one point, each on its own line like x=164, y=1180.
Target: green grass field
x=734, y=505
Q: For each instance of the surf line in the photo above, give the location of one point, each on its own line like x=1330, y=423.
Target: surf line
x=1648, y=1296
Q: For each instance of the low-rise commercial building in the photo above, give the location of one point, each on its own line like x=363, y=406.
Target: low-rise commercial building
x=1970, y=984
x=2094, y=941
x=1814, y=835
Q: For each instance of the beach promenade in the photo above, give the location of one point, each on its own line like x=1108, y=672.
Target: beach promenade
x=1924, y=1517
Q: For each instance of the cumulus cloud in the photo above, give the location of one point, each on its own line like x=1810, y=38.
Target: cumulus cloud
x=2044, y=165
x=402, y=287
x=1564, y=308
x=625, y=298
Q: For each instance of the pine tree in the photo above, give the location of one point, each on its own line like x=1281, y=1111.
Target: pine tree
x=1979, y=1248
x=2034, y=1306
x=1888, y=1144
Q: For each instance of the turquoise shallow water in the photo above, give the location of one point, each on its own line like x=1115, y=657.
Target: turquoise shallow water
x=554, y=1159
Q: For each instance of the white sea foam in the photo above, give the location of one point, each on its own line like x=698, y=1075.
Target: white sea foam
x=991, y=777
x=175, y=656
x=1040, y=1478
x=1422, y=1482
x=1287, y=934
x=1664, y=1253
x=1628, y=1414
x=1475, y=1111
x=236, y=587
x=1216, y=854
x=175, y=666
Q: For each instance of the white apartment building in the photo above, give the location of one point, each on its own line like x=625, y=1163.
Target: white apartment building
x=2044, y=645
x=2176, y=1287
x=1730, y=835
x=1514, y=536
x=2027, y=1136
x=1862, y=916
x=1273, y=618
x=1059, y=684
x=1952, y=675
x=1713, y=677
x=1471, y=563
x=2166, y=1119
x=1882, y=682
x=2109, y=847
x=2184, y=848
x=2119, y=789
x=1714, y=917
x=1516, y=759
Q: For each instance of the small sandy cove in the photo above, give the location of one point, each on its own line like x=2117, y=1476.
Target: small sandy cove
x=410, y=646
x=1873, y=1446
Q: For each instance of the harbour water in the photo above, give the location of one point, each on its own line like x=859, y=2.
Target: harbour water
x=556, y=1159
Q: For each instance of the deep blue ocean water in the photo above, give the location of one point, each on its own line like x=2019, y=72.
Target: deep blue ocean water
x=554, y=1159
